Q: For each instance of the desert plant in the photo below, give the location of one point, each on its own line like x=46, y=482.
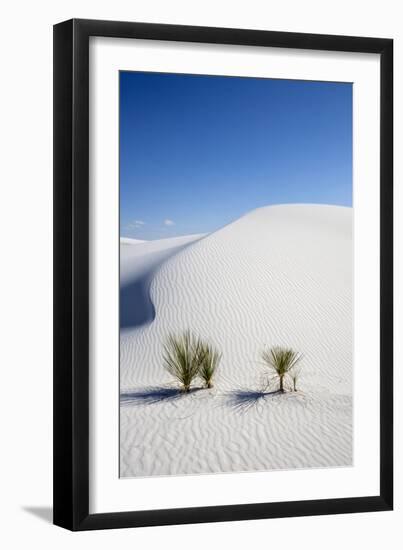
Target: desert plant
x=281, y=361
x=182, y=358
x=209, y=360
x=294, y=375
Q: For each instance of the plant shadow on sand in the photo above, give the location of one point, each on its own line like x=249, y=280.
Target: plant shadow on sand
x=243, y=400
x=152, y=395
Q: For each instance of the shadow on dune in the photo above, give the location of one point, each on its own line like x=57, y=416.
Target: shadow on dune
x=245, y=399
x=135, y=305
x=152, y=395
x=149, y=395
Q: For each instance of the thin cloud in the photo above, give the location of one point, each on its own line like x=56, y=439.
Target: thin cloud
x=169, y=222
x=136, y=224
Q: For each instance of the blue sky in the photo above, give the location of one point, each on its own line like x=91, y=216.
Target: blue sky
x=197, y=152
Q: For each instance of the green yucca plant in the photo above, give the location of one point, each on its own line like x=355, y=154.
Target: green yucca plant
x=182, y=358
x=281, y=361
x=209, y=360
x=294, y=375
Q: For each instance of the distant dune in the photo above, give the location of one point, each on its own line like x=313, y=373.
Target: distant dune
x=126, y=240
x=280, y=275
x=137, y=266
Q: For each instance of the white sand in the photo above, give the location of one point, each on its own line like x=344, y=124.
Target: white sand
x=127, y=240
x=280, y=275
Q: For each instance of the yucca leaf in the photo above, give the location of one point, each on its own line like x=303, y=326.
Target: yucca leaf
x=209, y=360
x=282, y=361
x=182, y=358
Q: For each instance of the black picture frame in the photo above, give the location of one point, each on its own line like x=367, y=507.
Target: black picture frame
x=71, y=274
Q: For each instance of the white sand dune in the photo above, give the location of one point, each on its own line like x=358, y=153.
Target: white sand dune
x=280, y=275
x=127, y=240
x=137, y=266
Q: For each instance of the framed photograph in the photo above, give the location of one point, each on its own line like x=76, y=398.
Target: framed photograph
x=223, y=241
